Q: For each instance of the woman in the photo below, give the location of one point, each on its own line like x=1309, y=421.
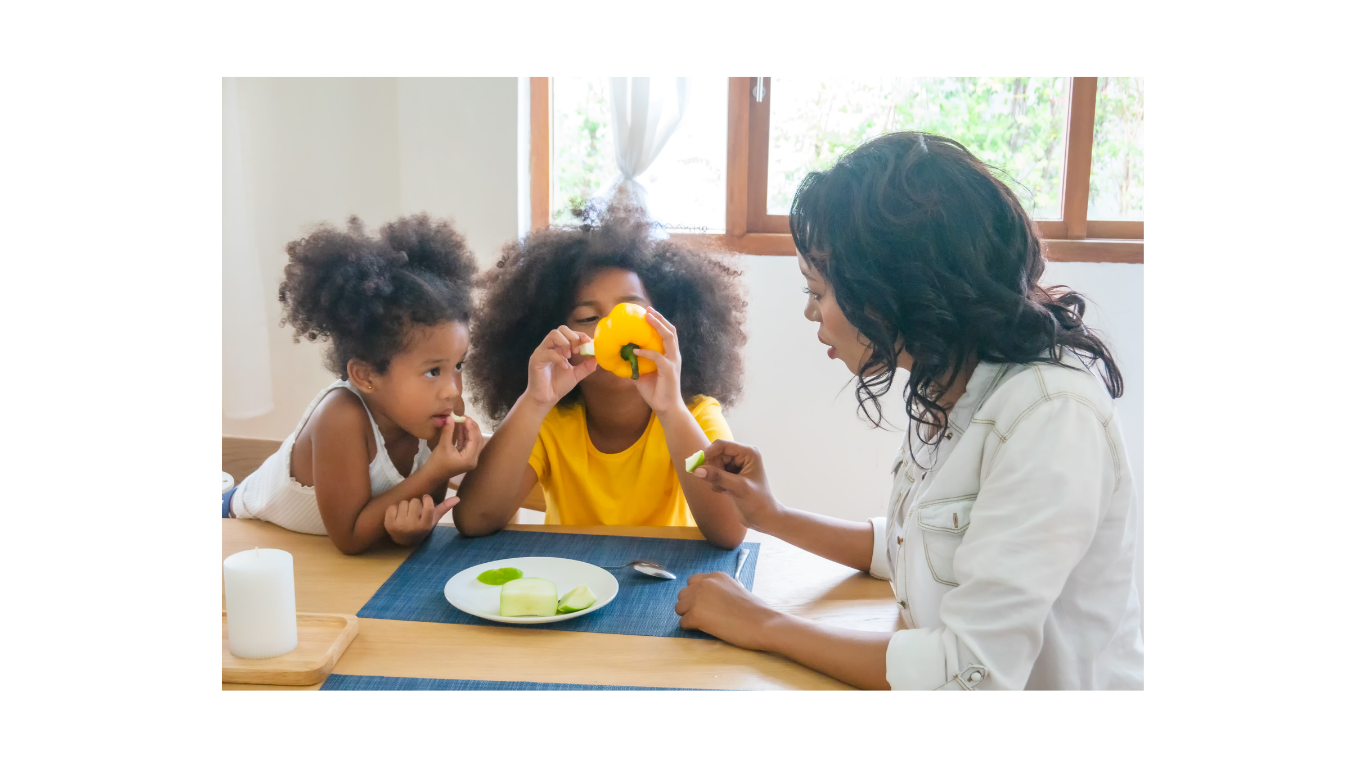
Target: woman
x=1011, y=532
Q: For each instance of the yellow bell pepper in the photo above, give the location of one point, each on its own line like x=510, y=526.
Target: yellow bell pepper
x=619, y=335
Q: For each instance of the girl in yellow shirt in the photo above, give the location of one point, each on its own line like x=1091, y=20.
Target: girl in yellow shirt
x=606, y=450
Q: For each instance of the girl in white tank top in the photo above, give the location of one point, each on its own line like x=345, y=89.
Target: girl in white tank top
x=373, y=454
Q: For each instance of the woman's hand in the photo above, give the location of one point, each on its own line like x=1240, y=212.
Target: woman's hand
x=662, y=389
x=721, y=606
x=409, y=522
x=457, y=448
x=549, y=374
x=738, y=471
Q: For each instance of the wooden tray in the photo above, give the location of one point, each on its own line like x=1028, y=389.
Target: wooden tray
x=323, y=638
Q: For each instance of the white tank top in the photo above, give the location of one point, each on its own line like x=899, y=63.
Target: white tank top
x=272, y=494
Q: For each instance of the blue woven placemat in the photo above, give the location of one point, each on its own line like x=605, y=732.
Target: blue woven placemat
x=643, y=606
x=379, y=683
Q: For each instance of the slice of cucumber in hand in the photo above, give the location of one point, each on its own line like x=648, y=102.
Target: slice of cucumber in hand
x=577, y=599
x=694, y=461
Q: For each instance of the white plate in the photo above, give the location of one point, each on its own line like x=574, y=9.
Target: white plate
x=227, y=482
x=466, y=592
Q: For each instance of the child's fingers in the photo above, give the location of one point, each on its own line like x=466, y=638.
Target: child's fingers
x=390, y=516
x=653, y=356
x=446, y=506
x=563, y=340
x=472, y=438
x=656, y=313
x=586, y=367
x=460, y=433
x=666, y=332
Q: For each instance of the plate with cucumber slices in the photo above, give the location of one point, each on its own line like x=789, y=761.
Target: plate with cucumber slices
x=531, y=590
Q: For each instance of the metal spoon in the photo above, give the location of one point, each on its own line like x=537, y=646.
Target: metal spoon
x=647, y=567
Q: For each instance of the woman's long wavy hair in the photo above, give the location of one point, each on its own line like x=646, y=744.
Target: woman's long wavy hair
x=930, y=253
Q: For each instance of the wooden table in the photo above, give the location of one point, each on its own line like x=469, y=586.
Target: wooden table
x=789, y=579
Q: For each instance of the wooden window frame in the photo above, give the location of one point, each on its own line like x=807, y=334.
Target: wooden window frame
x=751, y=229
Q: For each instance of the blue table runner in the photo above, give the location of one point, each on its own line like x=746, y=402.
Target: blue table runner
x=643, y=605
x=380, y=683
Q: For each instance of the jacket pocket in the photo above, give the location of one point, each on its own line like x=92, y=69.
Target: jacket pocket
x=943, y=523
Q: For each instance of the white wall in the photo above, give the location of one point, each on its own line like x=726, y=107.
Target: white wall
x=316, y=150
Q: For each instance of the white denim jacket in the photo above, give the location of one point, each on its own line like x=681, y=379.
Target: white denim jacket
x=1011, y=546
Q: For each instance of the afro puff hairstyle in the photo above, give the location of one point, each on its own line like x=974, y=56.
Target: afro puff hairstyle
x=532, y=290
x=363, y=294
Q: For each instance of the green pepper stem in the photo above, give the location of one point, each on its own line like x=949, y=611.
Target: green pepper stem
x=628, y=353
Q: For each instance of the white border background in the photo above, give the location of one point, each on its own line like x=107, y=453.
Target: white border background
x=110, y=149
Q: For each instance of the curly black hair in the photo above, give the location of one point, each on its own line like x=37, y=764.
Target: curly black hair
x=929, y=252
x=532, y=292
x=363, y=293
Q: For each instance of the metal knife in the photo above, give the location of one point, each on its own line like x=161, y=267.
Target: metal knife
x=744, y=553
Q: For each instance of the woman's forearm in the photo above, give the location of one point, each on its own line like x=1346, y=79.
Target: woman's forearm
x=851, y=656
x=843, y=541
x=492, y=492
x=714, y=512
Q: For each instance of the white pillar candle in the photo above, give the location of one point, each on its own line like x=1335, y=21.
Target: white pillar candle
x=259, y=587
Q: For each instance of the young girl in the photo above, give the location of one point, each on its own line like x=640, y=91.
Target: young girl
x=607, y=450
x=374, y=452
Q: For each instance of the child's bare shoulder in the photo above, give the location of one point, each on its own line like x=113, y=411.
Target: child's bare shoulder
x=341, y=414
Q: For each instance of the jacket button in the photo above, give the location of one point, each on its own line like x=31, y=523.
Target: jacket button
x=923, y=475
x=901, y=603
x=948, y=436
x=898, y=540
x=975, y=677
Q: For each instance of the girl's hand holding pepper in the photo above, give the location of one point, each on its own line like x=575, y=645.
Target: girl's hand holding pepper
x=550, y=375
x=662, y=388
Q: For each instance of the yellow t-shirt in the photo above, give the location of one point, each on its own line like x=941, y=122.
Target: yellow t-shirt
x=638, y=486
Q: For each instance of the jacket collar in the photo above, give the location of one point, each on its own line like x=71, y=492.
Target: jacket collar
x=984, y=380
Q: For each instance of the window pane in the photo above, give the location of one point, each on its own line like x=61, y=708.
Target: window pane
x=686, y=184
x=581, y=142
x=1117, y=154
x=1015, y=124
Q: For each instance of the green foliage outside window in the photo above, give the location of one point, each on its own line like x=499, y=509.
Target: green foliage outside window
x=1015, y=124
x=1117, y=155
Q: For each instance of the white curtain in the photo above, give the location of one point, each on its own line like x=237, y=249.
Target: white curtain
x=246, y=347
x=645, y=112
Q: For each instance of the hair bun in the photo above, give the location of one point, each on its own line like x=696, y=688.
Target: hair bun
x=361, y=291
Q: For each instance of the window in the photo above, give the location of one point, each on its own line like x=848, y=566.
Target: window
x=1071, y=147
x=686, y=183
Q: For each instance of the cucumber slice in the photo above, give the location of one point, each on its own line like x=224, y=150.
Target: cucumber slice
x=528, y=597
x=496, y=576
x=577, y=599
x=694, y=461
